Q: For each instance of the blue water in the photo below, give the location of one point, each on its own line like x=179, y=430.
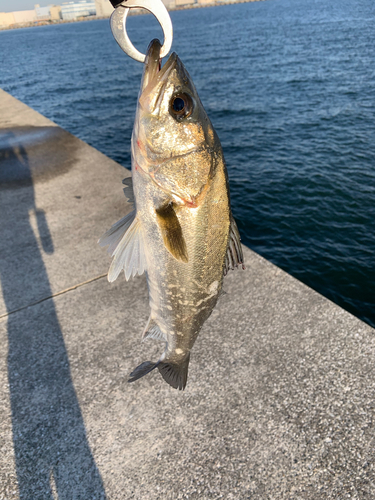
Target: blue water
x=290, y=88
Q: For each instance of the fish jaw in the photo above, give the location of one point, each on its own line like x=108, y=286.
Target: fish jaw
x=152, y=63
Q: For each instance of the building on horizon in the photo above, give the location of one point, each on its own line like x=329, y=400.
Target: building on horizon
x=180, y=3
x=27, y=17
x=24, y=16
x=55, y=12
x=42, y=13
x=50, y=13
x=6, y=19
x=104, y=8
x=74, y=10
x=170, y=4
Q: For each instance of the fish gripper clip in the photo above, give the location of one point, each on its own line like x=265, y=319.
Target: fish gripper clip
x=118, y=25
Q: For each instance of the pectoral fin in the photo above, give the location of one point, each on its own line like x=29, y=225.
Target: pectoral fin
x=172, y=233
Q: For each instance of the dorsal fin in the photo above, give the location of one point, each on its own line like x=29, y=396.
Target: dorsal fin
x=114, y=235
x=234, y=256
x=171, y=231
x=152, y=331
x=128, y=190
x=126, y=247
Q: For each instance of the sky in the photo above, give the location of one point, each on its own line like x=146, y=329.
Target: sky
x=12, y=5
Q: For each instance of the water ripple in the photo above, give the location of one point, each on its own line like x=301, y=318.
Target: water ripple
x=290, y=88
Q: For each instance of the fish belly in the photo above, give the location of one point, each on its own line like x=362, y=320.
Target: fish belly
x=182, y=295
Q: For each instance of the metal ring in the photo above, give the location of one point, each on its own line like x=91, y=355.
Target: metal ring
x=118, y=26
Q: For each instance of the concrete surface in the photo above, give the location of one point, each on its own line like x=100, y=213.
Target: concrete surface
x=56, y=196
x=280, y=397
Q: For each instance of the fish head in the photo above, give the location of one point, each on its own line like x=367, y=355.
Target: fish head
x=173, y=139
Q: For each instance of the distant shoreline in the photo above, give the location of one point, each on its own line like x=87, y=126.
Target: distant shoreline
x=137, y=12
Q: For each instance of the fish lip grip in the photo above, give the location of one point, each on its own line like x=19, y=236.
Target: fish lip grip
x=118, y=25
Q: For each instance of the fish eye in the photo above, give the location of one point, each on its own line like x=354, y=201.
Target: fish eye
x=181, y=106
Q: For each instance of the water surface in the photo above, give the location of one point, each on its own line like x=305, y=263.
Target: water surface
x=290, y=89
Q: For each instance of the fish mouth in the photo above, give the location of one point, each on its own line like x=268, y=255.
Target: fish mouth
x=153, y=72
x=152, y=64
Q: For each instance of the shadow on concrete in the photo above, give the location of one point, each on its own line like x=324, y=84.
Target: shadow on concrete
x=51, y=151
x=53, y=457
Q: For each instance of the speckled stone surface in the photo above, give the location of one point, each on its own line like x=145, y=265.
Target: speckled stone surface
x=280, y=398
x=57, y=197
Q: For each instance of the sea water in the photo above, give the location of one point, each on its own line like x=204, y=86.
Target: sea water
x=290, y=88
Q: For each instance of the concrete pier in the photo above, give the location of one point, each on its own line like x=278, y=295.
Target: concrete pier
x=280, y=399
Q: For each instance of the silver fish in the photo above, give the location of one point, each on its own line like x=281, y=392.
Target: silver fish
x=181, y=231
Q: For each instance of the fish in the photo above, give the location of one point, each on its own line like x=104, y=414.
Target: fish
x=181, y=233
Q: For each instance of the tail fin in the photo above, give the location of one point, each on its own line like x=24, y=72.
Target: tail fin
x=142, y=370
x=175, y=375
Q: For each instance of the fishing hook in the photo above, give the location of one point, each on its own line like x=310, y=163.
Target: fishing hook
x=118, y=25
